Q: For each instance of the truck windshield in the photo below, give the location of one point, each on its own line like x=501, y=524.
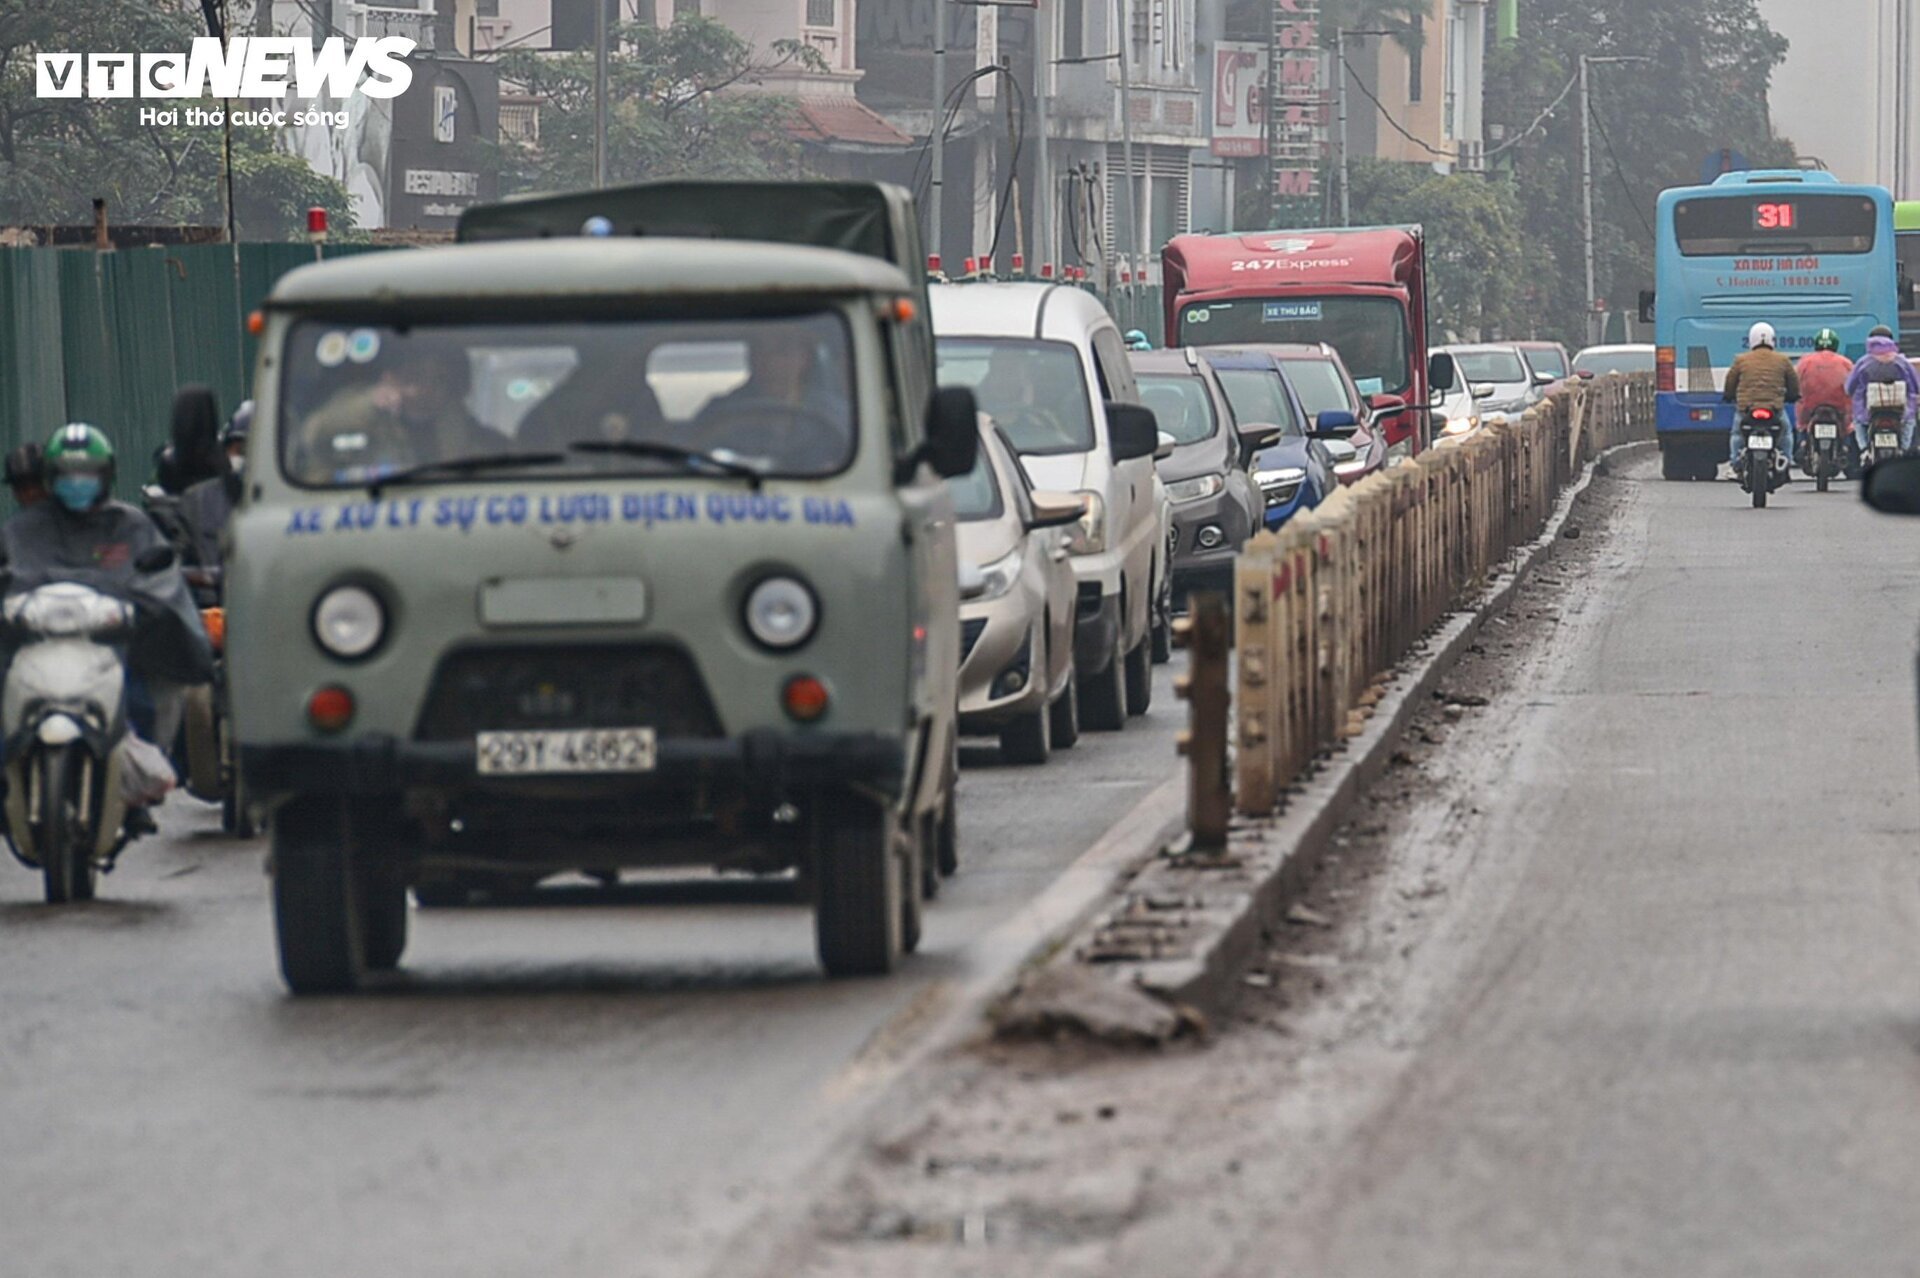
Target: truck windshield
x=1035, y=391
x=361, y=402
x=1369, y=332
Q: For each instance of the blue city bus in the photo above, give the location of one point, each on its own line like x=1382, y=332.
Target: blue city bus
x=1796, y=248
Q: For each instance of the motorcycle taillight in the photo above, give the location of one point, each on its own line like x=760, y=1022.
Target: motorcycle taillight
x=1763, y=414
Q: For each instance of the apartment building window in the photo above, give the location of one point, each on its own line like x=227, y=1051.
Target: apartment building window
x=1416, y=73
x=820, y=13
x=1073, y=29
x=1140, y=23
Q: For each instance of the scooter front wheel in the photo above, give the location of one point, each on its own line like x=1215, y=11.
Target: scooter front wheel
x=65, y=846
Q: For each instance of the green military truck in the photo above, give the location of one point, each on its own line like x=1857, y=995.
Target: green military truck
x=613, y=537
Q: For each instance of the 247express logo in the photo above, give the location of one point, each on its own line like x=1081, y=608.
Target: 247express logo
x=246, y=67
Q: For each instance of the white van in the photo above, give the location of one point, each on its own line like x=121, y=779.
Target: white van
x=1047, y=363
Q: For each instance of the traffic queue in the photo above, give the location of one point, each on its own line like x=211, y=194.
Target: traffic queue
x=679, y=525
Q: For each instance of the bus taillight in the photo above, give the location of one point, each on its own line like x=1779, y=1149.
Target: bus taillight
x=1663, y=368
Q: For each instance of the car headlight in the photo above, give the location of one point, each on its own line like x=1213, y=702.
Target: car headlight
x=349, y=622
x=1089, y=536
x=1460, y=425
x=781, y=612
x=1195, y=489
x=1280, y=485
x=1000, y=575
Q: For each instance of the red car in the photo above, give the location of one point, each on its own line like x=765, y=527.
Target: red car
x=1324, y=385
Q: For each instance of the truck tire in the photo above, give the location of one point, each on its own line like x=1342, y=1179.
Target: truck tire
x=946, y=848
x=385, y=936
x=1066, y=712
x=857, y=911
x=1103, y=698
x=913, y=893
x=319, y=912
x=1139, y=672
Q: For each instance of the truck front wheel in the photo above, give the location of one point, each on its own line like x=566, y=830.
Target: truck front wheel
x=857, y=908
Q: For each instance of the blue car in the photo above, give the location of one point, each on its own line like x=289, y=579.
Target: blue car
x=1296, y=473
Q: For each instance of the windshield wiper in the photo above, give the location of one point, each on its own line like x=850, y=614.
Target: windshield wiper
x=461, y=466
x=719, y=460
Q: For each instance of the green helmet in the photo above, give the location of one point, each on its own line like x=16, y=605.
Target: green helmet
x=1826, y=340
x=78, y=446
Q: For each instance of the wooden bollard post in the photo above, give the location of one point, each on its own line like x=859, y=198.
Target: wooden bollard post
x=1204, y=632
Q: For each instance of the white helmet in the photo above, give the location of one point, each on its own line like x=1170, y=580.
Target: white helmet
x=1759, y=335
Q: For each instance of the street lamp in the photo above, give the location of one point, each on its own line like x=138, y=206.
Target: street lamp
x=1340, y=98
x=1586, y=176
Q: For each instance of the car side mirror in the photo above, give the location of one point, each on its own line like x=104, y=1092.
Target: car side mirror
x=1892, y=487
x=1544, y=379
x=1585, y=374
x=1163, y=446
x=1393, y=403
x=1132, y=431
x=1055, y=510
x=1335, y=423
x=155, y=559
x=953, y=433
x=1255, y=436
x=1483, y=392
x=1646, y=305
x=1441, y=373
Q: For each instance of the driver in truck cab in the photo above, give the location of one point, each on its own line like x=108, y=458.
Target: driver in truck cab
x=1761, y=377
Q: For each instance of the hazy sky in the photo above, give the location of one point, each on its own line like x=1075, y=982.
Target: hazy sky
x=1825, y=97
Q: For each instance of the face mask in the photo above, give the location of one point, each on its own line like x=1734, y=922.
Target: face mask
x=77, y=492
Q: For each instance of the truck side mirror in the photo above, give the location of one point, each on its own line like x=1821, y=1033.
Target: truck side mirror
x=1646, y=306
x=1440, y=371
x=953, y=432
x=1132, y=431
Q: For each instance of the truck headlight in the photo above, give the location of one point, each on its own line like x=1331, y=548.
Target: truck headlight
x=349, y=622
x=781, y=612
x=1089, y=536
x=1195, y=489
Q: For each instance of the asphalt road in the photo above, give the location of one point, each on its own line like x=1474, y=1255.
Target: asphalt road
x=1684, y=1037
x=585, y=1086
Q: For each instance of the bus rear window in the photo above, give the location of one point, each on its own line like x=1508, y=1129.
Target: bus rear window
x=1774, y=223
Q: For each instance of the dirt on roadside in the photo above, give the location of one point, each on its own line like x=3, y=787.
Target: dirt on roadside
x=1067, y=1158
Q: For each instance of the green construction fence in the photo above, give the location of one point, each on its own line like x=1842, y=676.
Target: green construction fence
x=108, y=337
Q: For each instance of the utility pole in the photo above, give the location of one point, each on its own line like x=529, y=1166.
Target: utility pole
x=599, y=93
x=1122, y=39
x=1042, y=172
x=1586, y=181
x=1340, y=106
x=938, y=137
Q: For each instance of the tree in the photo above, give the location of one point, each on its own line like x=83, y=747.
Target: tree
x=58, y=154
x=1405, y=18
x=681, y=102
x=1472, y=226
x=1705, y=88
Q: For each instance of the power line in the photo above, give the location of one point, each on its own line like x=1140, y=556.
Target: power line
x=1538, y=121
x=1632, y=201
x=1361, y=85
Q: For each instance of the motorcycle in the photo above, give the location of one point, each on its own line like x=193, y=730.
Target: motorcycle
x=1886, y=411
x=1829, y=448
x=1763, y=469
x=69, y=751
x=205, y=755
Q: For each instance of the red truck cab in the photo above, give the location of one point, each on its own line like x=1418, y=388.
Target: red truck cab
x=1363, y=290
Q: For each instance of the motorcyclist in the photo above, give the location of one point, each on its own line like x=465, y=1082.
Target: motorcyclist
x=1823, y=379
x=24, y=474
x=206, y=507
x=81, y=534
x=1883, y=362
x=1761, y=377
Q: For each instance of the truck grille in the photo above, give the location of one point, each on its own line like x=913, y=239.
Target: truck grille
x=586, y=686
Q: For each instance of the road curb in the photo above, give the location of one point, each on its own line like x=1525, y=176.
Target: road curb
x=1183, y=927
